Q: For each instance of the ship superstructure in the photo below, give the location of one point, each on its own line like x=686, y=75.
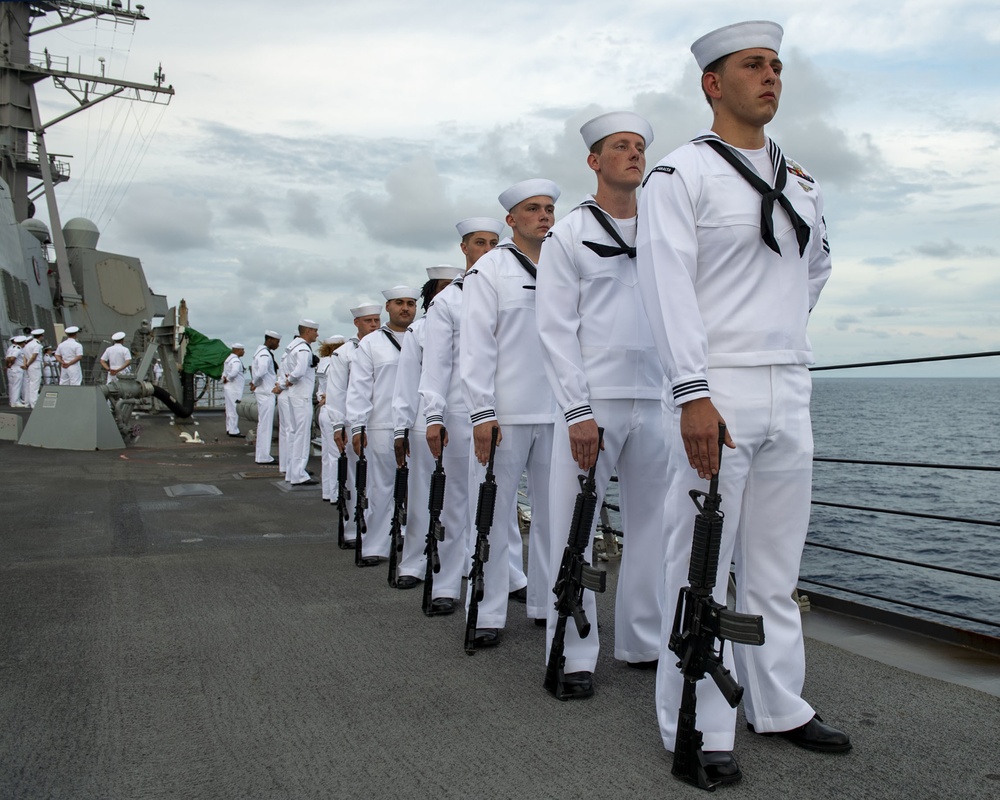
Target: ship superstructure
x=56, y=277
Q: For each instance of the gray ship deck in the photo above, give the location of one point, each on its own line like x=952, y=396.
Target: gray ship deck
x=223, y=647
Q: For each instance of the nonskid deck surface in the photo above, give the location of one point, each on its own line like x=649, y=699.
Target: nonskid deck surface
x=221, y=646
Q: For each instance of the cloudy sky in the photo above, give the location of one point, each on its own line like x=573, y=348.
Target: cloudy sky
x=318, y=152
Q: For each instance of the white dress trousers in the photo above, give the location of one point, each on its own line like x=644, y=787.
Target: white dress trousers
x=765, y=485
x=633, y=444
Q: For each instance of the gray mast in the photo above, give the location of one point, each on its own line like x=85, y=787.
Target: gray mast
x=21, y=125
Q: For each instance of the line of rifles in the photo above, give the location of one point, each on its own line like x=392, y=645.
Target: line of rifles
x=700, y=626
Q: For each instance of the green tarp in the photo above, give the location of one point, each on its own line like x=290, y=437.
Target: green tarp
x=204, y=354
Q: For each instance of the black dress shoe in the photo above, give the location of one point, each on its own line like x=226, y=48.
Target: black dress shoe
x=721, y=766
x=406, y=582
x=441, y=606
x=648, y=665
x=487, y=637
x=309, y=482
x=578, y=685
x=238, y=435
x=519, y=595
x=815, y=735
x=348, y=544
x=370, y=561
x=540, y=623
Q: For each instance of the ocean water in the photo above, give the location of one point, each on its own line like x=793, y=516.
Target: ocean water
x=947, y=421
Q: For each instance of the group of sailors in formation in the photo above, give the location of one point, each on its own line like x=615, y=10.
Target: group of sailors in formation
x=656, y=318
x=31, y=364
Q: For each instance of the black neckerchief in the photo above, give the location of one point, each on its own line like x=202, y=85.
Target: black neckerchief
x=606, y=250
x=392, y=339
x=768, y=195
x=522, y=259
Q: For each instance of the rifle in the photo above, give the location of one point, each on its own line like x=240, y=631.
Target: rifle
x=343, y=495
x=481, y=553
x=698, y=622
x=361, y=487
x=435, y=530
x=398, y=513
x=575, y=575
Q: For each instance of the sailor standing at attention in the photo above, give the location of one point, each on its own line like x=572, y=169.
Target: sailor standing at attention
x=603, y=368
x=446, y=411
x=69, y=354
x=263, y=374
x=408, y=415
x=505, y=387
x=732, y=255
x=328, y=469
x=32, y=368
x=369, y=406
x=15, y=374
x=367, y=319
x=296, y=382
x=117, y=358
x=233, y=380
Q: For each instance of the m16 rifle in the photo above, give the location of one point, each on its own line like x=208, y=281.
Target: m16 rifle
x=435, y=530
x=481, y=554
x=361, y=504
x=698, y=622
x=575, y=575
x=343, y=495
x=398, y=513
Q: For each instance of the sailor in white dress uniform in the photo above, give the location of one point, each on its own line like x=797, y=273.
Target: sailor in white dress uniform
x=446, y=409
x=369, y=406
x=324, y=419
x=505, y=387
x=117, y=358
x=295, y=384
x=233, y=382
x=408, y=415
x=733, y=254
x=69, y=354
x=32, y=356
x=604, y=370
x=263, y=374
x=15, y=370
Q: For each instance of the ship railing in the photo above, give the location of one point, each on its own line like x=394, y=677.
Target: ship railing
x=955, y=631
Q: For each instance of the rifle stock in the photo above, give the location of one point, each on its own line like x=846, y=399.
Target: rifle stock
x=698, y=622
x=361, y=504
x=343, y=495
x=575, y=575
x=485, y=509
x=435, y=530
x=398, y=513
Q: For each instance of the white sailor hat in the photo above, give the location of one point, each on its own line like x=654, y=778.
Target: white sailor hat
x=615, y=122
x=272, y=335
x=397, y=292
x=117, y=337
x=72, y=329
x=19, y=339
x=366, y=309
x=238, y=346
x=473, y=224
x=38, y=332
x=308, y=323
x=733, y=38
x=533, y=187
x=444, y=271
x=335, y=339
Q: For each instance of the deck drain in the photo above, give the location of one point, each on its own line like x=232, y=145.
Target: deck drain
x=192, y=490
